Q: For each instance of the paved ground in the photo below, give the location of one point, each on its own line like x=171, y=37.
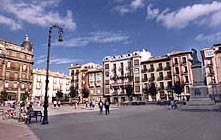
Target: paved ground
x=132, y=123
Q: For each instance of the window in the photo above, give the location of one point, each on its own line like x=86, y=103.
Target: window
x=161, y=85
x=137, y=79
x=106, y=66
x=186, y=79
x=7, y=74
x=184, y=59
x=16, y=75
x=185, y=69
x=168, y=64
x=177, y=70
x=136, y=62
x=24, y=67
x=8, y=64
x=137, y=88
x=15, y=85
x=175, y=61
x=6, y=85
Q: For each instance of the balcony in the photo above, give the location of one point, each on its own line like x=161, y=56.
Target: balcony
x=167, y=68
x=144, y=70
x=159, y=68
x=144, y=79
x=160, y=78
x=151, y=70
x=168, y=77
x=151, y=79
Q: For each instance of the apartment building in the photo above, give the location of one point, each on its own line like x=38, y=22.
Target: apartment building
x=57, y=82
x=211, y=57
x=16, y=63
x=156, y=74
x=122, y=76
x=80, y=78
x=181, y=69
x=95, y=83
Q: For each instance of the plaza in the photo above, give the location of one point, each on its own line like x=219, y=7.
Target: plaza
x=126, y=122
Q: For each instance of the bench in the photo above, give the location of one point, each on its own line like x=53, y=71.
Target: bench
x=34, y=114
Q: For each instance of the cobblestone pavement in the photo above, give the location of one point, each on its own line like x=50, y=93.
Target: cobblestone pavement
x=126, y=123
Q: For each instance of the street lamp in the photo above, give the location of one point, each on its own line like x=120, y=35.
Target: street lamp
x=60, y=32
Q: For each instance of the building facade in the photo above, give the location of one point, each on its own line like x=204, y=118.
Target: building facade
x=211, y=57
x=122, y=76
x=83, y=76
x=95, y=83
x=16, y=62
x=57, y=82
x=181, y=70
x=156, y=75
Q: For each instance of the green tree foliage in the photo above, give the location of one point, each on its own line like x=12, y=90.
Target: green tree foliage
x=24, y=96
x=152, y=89
x=85, y=92
x=178, y=88
x=73, y=92
x=129, y=90
x=59, y=94
x=4, y=95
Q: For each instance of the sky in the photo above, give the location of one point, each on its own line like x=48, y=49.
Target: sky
x=93, y=29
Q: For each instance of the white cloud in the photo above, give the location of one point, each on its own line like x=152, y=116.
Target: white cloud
x=38, y=13
x=63, y=61
x=129, y=7
x=13, y=25
x=94, y=37
x=56, y=61
x=208, y=14
x=209, y=38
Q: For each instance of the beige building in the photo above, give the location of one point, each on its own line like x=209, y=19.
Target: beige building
x=122, y=76
x=15, y=68
x=80, y=78
x=156, y=72
x=95, y=83
x=57, y=82
x=211, y=57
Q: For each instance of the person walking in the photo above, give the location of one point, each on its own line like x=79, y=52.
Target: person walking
x=55, y=103
x=100, y=104
x=107, y=106
x=59, y=103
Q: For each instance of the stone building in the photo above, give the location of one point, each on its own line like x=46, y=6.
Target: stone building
x=122, y=76
x=57, y=82
x=211, y=57
x=16, y=63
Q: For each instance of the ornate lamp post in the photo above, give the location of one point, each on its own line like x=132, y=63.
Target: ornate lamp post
x=60, y=32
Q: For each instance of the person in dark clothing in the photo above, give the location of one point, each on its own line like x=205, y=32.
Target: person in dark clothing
x=101, y=104
x=107, y=106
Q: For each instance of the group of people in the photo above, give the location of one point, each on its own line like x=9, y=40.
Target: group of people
x=55, y=103
x=105, y=104
x=25, y=113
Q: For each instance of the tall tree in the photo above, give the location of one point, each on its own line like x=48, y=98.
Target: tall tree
x=129, y=90
x=24, y=96
x=153, y=90
x=73, y=92
x=85, y=92
x=4, y=95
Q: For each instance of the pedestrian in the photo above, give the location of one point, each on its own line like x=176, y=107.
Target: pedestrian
x=107, y=106
x=59, y=103
x=93, y=103
x=55, y=103
x=100, y=104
